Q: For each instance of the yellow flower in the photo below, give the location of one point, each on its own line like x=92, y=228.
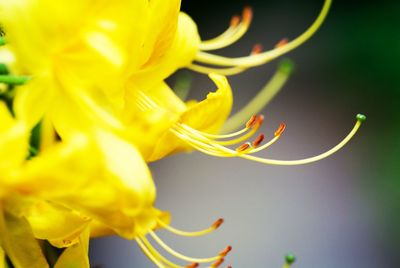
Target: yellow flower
x=84, y=50
x=90, y=185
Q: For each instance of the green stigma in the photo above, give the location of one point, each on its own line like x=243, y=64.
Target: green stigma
x=286, y=66
x=290, y=258
x=361, y=117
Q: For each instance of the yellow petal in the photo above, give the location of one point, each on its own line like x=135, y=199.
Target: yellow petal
x=33, y=100
x=181, y=52
x=19, y=243
x=14, y=137
x=61, y=226
x=76, y=256
x=3, y=262
x=208, y=116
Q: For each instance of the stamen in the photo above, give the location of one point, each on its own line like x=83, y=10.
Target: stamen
x=225, y=252
x=193, y=265
x=280, y=130
x=173, y=230
x=214, y=148
x=181, y=256
x=243, y=147
x=257, y=49
x=282, y=43
x=156, y=254
x=266, y=94
x=258, y=140
x=235, y=21
x=267, y=56
x=217, y=263
x=235, y=31
x=224, y=71
x=251, y=121
x=148, y=254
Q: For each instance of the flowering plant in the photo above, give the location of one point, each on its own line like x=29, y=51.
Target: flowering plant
x=85, y=107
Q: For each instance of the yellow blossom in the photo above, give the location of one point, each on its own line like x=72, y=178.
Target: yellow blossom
x=90, y=185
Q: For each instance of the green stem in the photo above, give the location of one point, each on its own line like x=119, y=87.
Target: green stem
x=13, y=79
x=2, y=41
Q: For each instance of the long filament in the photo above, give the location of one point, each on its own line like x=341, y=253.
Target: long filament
x=179, y=255
x=267, y=56
x=266, y=94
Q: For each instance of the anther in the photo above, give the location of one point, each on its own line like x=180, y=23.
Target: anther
x=218, y=223
x=251, y=121
x=257, y=49
x=217, y=263
x=280, y=129
x=361, y=117
x=258, y=140
x=193, y=265
x=235, y=20
x=247, y=14
x=243, y=147
x=260, y=120
x=281, y=43
x=225, y=251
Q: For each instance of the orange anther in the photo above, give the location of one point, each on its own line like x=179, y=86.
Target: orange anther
x=218, y=223
x=251, y=121
x=243, y=147
x=247, y=14
x=193, y=265
x=257, y=49
x=281, y=43
x=217, y=263
x=235, y=20
x=258, y=140
x=225, y=251
x=260, y=120
x=280, y=129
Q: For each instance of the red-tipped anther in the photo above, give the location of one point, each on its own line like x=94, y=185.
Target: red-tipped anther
x=247, y=14
x=281, y=43
x=235, y=20
x=225, y=251
x=258, y=140
x=243, y=147
x=217, y=263
x=229, y=266
x=260, y=120
x=193, y=265
x=280, y=129
x=251, y=121
x=218, y=223
x=257, y=49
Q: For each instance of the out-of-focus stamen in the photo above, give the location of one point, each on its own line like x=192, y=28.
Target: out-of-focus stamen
x=217, y=263
x=181, y=256
x=235, y=31
x=242, y=148
x=282, y=43
x=212, y=228
x=280, y=130
x=266, y=94
x=258, y=140
x=267, y=56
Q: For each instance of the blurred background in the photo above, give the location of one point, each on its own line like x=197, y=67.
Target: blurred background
x=340, y=212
